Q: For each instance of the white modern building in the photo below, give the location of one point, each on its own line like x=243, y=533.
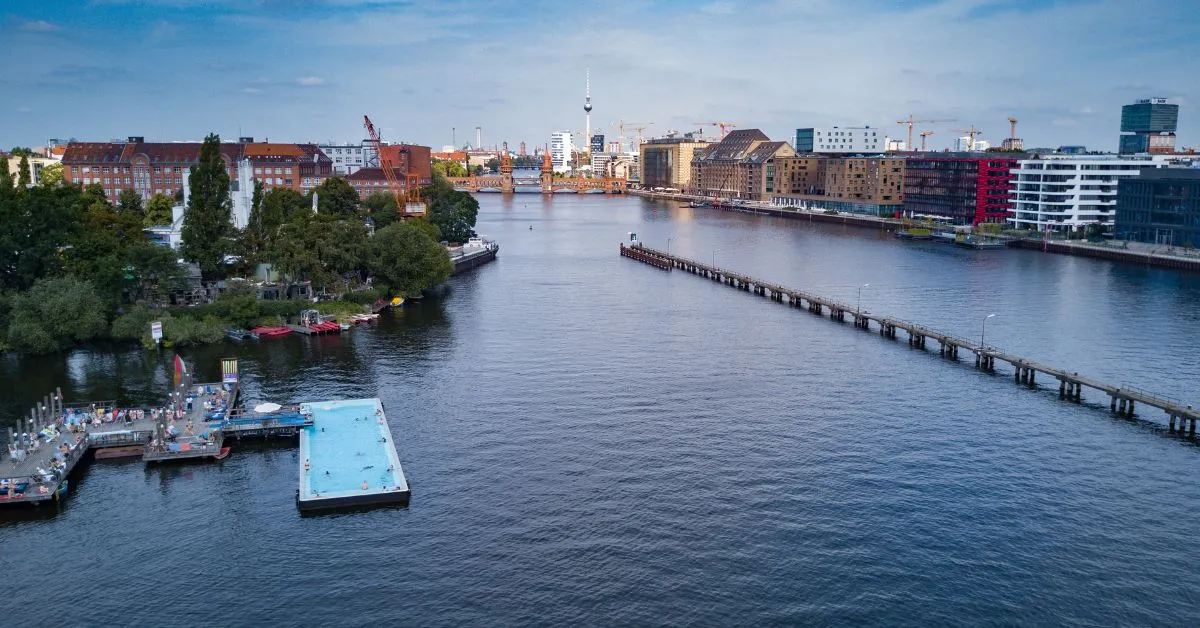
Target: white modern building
x=560, y=150
x=965, y=144
x=1066, y=192
x=348, y=158
x=841, y=140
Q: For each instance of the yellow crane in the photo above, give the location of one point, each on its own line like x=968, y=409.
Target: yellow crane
x=910, y=121
x=972, y=133
x=924, y=134
x=636, y=126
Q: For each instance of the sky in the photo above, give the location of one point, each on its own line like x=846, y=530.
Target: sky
x=431, y=71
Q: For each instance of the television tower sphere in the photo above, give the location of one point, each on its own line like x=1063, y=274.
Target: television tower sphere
x=587, y=105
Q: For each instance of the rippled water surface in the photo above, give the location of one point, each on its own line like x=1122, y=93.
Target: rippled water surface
x=594, y=441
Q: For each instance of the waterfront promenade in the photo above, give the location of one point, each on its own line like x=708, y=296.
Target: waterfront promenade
x=1123, y=400
x=1130, y=252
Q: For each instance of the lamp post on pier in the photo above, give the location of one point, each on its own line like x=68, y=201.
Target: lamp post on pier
x=715, y=257
x=858, y=308
x=668, y=246
x=983, y=332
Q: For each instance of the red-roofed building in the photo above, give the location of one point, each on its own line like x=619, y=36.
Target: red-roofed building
x=406, y=159
x=162, y=168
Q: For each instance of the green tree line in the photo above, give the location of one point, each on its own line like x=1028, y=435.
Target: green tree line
x=74, y=267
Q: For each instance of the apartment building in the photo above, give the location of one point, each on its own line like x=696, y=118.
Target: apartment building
x=1067, y=192
x=740, y=166
x=840, y=140
x=861, y=185
x=162, y=167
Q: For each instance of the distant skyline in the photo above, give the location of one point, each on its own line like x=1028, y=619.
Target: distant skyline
x=299, y=71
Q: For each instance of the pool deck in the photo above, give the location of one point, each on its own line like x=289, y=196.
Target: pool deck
x=314, y=462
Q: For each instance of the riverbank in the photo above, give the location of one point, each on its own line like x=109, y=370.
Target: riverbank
x=1119, y=251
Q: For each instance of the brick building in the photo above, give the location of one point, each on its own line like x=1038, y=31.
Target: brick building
x=741, y=166
x=411, y=163
x=967, y=188
x=162, y=168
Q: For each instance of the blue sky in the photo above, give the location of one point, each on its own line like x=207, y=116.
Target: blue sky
x=308, y=70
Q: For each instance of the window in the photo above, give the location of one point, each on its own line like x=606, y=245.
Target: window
x=279, y=171
x=278, y=181
x=287, y=171
x=87, y=169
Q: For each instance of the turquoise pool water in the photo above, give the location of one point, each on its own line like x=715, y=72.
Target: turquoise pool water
x=348, y=444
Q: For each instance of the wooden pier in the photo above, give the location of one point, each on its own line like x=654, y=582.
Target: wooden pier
x=1122, y=399
x=37, y=469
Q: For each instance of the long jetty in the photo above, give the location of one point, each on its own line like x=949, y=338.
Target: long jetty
x=1122, y=399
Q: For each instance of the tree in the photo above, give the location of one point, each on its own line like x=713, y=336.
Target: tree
x=207, y=226
x=380, y=207
x=52, y=175
x=159, y=211
x=449, y=168
x=406, y=260
x=451, y=211
x=54, y=314
x=493, y=164
x=24, y=178
x=6, y=179
x=129, y=203
x=335, y=197
x=18, y=151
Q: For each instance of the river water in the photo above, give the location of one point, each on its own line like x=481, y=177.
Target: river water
x=594, y=441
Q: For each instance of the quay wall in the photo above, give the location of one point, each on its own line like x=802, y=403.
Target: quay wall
x=891, y=224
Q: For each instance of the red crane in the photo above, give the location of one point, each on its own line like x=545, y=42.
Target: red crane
x=408, y=196
x=724, y=126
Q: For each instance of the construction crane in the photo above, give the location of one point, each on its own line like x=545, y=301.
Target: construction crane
x=408, y=197
x=910, y=121
x=724, y=126
x=971, y=134
x=924, y=134
x=636, y=126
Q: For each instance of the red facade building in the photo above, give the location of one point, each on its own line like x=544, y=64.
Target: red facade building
x=966, y=188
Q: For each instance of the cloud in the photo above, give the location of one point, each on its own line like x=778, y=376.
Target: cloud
x=24, y=109
x=39, y=26
x=310, y=81
x=719, y=8
x=1064, y=122
x=162, y=30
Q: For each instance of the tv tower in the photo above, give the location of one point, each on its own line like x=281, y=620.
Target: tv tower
x=587, y=110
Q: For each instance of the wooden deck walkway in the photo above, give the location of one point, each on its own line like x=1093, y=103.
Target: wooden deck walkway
x=1122, y=399
x=41, y=475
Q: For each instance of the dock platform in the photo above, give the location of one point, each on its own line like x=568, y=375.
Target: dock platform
x=348, y=458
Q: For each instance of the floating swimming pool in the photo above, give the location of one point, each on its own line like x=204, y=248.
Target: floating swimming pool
x=347, y=457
